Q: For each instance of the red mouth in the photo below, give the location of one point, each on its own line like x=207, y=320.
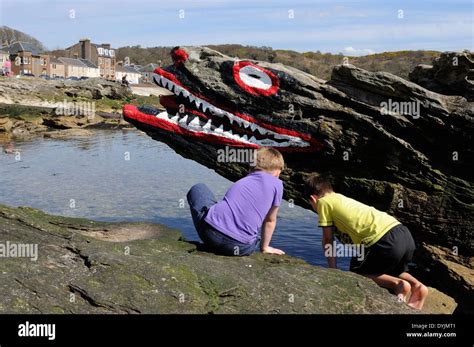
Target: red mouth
x=205, y=121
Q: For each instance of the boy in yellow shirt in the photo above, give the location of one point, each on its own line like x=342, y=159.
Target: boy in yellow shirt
x=388, y=244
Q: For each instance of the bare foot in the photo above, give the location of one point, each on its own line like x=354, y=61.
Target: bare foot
x=418, y=296
x=402, y=289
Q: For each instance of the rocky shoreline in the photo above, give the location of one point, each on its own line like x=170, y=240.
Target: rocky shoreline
x=62, y=109
x=84, y=266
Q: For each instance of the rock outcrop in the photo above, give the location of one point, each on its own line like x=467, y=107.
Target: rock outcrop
x=39, y=92
x=5, y=124
x=386, y=141
x=452, y=73
x=32, y=106
x=84, y=266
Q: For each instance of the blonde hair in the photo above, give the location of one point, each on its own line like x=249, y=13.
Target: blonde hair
x=269, y=159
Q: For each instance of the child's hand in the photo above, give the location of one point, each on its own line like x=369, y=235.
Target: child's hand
x=271, y=250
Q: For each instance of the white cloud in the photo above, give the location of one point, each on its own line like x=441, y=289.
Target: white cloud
x=355, y=52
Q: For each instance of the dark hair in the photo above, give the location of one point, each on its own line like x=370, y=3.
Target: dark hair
x=317, y=185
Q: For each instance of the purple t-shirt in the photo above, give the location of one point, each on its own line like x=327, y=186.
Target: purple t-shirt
x=245, y=205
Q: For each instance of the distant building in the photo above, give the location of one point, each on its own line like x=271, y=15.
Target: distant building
x=147, y=72
x=133, y=76
x=102, y=56
x=79, y=68
x=57, y=68
x=92, y=70
x=26, y=58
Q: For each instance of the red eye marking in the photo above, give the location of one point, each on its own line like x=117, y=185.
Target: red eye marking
x=255, y=79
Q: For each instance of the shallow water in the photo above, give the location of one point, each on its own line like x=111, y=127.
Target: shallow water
x=126, y=176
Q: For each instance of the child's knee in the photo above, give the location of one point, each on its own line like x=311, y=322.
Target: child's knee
x=194, y=189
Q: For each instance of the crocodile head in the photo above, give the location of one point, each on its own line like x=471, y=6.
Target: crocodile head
x=226, y=102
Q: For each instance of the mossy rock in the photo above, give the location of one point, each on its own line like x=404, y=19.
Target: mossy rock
x=85, y=266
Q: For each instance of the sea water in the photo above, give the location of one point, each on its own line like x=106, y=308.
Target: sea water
x=120, y=175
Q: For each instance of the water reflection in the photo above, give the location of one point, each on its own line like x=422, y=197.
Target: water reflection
x=126, y=176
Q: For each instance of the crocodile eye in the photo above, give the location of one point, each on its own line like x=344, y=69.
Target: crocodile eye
x=255, y=79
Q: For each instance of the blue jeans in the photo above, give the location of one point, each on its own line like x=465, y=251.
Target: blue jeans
x=200, y=199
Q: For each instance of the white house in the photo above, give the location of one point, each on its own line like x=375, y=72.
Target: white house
x=79, y=68
x=133, y=76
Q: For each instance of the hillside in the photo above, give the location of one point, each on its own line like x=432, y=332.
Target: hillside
x=316, y=63
x=9, y=35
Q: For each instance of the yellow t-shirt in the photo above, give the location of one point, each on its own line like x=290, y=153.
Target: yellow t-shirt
x=363, y=224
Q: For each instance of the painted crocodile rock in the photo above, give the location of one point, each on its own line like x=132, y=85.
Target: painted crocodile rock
x=385, y=141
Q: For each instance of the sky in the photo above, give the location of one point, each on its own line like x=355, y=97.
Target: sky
x=349, y=27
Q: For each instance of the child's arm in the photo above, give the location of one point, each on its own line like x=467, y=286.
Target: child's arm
x=327, y=240
x=268, y=227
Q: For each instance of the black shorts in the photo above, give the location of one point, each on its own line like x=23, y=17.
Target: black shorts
x=390, y=255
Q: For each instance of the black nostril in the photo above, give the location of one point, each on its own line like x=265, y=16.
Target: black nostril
x=254, y=76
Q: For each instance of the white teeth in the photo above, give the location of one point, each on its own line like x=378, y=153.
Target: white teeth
x=194, y=122
x=216, y=111
x=266, y=142
x=206, y=106
x=207, y=125
x=166, y=83
x=194, y=125
x=162, y=115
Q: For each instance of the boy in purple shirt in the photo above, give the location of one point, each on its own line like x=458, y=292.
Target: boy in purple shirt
x=230, y=227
